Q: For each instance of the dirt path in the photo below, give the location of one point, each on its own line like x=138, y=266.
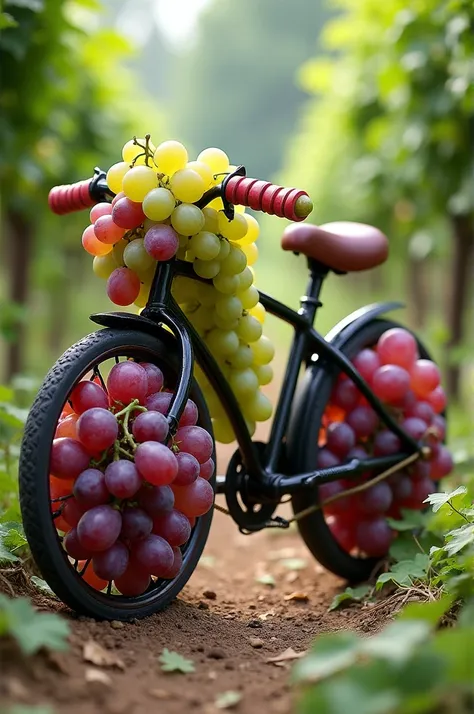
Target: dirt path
x=226, y=621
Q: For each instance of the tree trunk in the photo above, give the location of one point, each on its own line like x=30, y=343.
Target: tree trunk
x=20, y=232
x=463, y=241
x=417, y=290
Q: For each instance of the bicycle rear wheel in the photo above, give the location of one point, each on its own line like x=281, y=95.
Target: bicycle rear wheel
x=98, y=350
x=303, y=452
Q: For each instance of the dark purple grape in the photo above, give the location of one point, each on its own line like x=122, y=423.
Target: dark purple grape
x=160, y=402
x=415, y=427
x=73, y=546
x=340, y=438
x=153, y=554
x=326, y=459
x=150, y=426
x=207, y=469
x=386, y=443
x=111, y=563
x=99, y=528
x=90, y=489
x=174, y=527
x=156, y=500
x=376, y=500
x=188, y=469
x=136, y=523
x=122, y=478
x=363, y=421
x=401, y=486
x=68, y=458
x=177, y=564
x=374, y=536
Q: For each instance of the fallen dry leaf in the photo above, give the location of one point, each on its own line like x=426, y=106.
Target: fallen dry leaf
x=94, y=653
x=287, y=656
x=265, y=615
x=96, y=675
x=298, y=596
x=159, y=693
x=291, y=577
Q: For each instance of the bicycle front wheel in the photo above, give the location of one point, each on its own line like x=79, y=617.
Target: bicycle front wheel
x=95, y=355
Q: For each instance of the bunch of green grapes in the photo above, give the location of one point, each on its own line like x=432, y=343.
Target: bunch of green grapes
x=153, y=217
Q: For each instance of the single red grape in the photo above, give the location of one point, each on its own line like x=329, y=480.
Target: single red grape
x=366, y=362
x=156, y=463
x=99, y=528
x=68, y=458
x=150, y=426
x=86, y=395
x=97, y=429
x=90, y=489
x=153, y=554
x=173, y=526
x=123, y=286
x=195, y=499
x=424, y=378
x=340, y=438
x=188, y=469
x=390, y=383
x=127, y=381
x=196, y=441
x=127, y=214
x=155, y=377
x=122, y=478
x=397, y=346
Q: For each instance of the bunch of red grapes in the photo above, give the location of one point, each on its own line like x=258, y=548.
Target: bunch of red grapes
x=124, y=494
x=410, y=387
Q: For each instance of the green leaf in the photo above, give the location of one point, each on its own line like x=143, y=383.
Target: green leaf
x=397, y=641
x=458, y=539
x=294, y=563
x=174, y=662
x=6, y=20
x=431, y=612
x=31, y=629
x=6, y=393
x=330, y=654
x=411, y=520
x=440, y=499
x=12, y=537
x=227, y=700
x=33, y=5
x=25, y=709
x=404, y=572
x=350, y=595
x=42, y=585
x=266, y=579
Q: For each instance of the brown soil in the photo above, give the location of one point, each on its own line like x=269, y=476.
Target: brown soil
x=227, y=622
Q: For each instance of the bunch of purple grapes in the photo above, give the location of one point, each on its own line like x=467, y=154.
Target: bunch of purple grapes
x=124, y=494
x=410, y=387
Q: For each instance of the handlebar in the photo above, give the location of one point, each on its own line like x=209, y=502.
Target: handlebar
x=236, y=189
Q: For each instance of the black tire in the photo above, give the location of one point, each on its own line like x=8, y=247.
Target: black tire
x=303, y=451
x=41, y=533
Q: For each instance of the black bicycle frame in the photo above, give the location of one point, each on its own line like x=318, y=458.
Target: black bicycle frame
x=308, y=344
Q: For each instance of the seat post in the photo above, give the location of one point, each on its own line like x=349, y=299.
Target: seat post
x=310, y=301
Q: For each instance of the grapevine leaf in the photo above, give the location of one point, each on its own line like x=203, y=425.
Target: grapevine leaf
x=31, y=629
x=404, y=572
x=431, y=612
x=437, y=500
x=410, y=521
x=459, y=538
x=5, y=543
x=350, y=595
x=174, y=662
x=331, y=654
x=42, y=585
x=398, y=641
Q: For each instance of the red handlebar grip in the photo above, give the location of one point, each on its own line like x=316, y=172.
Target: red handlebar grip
x=67, y=199
x=264, y=196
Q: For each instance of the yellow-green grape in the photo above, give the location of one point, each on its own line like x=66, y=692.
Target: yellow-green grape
x=187, y=219
x=228, y=307
x=216, y=159
x=251, y=426
x=206, y=268
x=224, y=323
x=223, y=431
x=258, y=408
x=143, y=295
x=245, y=279
x=216, y=204
x=259, y=312
x=190, y=256
x=264, y=373
x=211, y=222
x=184, y=289
x=263, y=351
x=240, y=209
x=138, y=181
x=170, y=156
x=242, y=358
x=251, y=251
x=227, y=284
x=233, y=230
x=136, y=258
x=249, y=297
x=187, y=185
x=223, y=342
x=224, y=249
x=183, y=241
x=202, y=169
x=159, y=204
x=235, y=262
x=203, y=318
x=243, y=382
x=253, y=230
x=148, y=223
x=181, y=254
x=118, y=251
x=104, y=265
x=115, y=176
x=205, y=245
x=206, y=294
x=249, y=329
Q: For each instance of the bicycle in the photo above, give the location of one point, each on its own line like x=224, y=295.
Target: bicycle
x=258, y=475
